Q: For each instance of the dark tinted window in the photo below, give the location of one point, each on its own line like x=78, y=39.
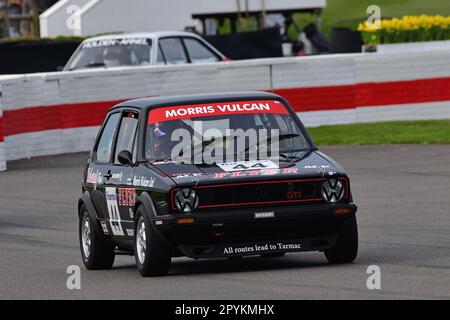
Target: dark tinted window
x=104, y=146
x=173, y=50
x=198, y=52
x=127, y=134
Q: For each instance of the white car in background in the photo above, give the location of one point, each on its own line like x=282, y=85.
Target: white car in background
x=139, y=49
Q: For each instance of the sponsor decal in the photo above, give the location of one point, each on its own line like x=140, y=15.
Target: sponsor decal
x=117, y=176
x=130, y=232
x=264, y=215
x=317, y=167
x=113, y=211
x=116, y=42
x=321, y=169
x=129, y=181
x=186, y=175
x=165, y=162
x=111, y=196
x=262, y=248
x=143, y=182
x=93, y=177
x=216, y=109
x=127, y=197
x=294, y=195
x=265, y=172
x=247, y=165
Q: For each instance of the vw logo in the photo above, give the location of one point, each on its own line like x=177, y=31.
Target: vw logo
x=186, y=200
x=332, y=190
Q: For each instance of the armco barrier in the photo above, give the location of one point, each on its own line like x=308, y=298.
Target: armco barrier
x=52, y=113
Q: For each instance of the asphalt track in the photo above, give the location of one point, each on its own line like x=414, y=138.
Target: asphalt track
x=404, y=223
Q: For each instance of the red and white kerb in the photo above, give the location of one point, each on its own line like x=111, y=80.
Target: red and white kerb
x=216, y=109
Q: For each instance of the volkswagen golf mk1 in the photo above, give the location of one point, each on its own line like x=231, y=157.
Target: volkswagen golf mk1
x=161, y=182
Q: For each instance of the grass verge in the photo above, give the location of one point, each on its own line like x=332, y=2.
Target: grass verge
x=396, y=132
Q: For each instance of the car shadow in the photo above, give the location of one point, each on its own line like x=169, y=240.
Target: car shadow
x=184, y=266
x=246, y=264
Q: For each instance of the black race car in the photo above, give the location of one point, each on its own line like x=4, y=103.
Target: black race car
x=208, y=176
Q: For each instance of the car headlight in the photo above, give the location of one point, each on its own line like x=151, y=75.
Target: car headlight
x=332, y=190
x=186, y=200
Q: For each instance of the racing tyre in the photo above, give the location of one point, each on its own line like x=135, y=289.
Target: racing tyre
x=96, y=251
x=152, y=256
x=346, y=248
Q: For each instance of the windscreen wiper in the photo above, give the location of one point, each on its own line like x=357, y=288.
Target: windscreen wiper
x=205, y=144
x=269, y=141
x=295, y=159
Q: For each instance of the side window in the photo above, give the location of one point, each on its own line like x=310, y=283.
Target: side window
x=102, y=154
x=127, y=134
x=198, y=52
x=173, y=50
x=160, y=57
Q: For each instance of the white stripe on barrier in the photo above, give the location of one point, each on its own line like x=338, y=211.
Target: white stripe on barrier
x=50, y=142
x=2, y=157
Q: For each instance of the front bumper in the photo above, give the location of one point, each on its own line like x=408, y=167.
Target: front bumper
x=239, y=232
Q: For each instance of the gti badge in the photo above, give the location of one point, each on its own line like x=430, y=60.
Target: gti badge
x=332, y=190
x=186, y=200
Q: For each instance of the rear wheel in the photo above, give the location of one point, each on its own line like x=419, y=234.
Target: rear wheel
x=152, y=256
x=96, y=251
x=346, y=248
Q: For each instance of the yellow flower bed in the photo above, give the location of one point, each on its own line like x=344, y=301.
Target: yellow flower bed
x=406, y=29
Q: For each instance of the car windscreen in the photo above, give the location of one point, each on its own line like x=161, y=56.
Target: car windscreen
x=227, y=126
x=112, y=53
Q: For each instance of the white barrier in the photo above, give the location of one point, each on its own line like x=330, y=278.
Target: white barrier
x=53, y=113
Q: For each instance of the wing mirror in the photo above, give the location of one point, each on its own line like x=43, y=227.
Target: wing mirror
x=125, y=158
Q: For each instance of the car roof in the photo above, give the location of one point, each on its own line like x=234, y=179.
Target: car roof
x=154, y=102
x=147, y=35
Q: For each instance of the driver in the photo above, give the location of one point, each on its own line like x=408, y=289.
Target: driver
x=162, y=137
x=115, y=56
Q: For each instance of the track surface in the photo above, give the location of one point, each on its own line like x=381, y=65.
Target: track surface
x=404, y=223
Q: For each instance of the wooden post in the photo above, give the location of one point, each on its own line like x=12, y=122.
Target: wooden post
x=263, y=14
x=34, y=25
x=239, y=18
x=6, y=20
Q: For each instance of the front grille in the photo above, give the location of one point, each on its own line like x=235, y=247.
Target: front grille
x=260, y=193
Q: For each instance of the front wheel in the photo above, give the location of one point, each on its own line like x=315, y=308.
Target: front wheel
x=345, y=249
x=152, y=256
x=96, y=251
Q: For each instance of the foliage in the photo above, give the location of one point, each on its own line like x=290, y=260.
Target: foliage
x=406, y=29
